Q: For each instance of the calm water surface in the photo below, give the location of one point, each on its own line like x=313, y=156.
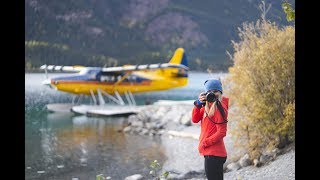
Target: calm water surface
x=66, y=146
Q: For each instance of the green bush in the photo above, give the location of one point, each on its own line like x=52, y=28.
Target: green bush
x=156, y=175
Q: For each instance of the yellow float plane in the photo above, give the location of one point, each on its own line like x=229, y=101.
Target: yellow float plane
x=127, y=79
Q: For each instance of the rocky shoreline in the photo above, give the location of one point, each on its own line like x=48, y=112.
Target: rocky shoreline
x=172, y=120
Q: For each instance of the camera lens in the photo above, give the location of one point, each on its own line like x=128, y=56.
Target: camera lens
x=211, y=97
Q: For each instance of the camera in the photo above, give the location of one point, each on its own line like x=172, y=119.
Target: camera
x=210, y=97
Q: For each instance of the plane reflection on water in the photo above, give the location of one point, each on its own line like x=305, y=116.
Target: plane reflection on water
x=71, y=141
x=77, y=138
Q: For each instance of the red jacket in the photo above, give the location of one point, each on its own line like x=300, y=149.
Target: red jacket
x=211, y=137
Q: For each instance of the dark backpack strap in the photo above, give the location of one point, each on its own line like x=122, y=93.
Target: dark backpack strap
x=220, y=108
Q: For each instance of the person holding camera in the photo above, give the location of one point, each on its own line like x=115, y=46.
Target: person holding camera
x=211, y=110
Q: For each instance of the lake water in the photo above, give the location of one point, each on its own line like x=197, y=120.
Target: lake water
x=66, y=146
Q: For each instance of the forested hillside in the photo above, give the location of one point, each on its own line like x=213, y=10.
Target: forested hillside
x=114, y=32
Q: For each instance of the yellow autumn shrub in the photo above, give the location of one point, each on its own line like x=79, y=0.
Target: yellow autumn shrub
x=261, y=85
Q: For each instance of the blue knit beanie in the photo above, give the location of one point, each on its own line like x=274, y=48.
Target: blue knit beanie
x=213, y=84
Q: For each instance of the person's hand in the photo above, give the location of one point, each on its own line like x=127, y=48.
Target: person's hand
x=205, y=144
x=202, y=97
x=218, y=95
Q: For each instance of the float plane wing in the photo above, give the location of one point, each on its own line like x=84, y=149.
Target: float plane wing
x=122, y=79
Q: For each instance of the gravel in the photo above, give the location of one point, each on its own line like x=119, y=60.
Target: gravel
x=282, y=168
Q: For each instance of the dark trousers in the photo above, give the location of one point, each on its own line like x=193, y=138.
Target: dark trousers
x=213, y=166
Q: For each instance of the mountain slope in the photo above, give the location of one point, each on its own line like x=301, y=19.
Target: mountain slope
x=97, y=32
